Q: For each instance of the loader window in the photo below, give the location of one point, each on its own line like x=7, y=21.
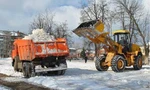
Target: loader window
x=116, y=38
x=121, y=38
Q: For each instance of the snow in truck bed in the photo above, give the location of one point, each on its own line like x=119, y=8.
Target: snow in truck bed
x=39, y=35
x=84, y=76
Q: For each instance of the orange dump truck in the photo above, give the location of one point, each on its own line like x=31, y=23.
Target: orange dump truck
x=47, y=56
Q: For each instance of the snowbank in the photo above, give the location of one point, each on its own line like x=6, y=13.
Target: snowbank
x=6, y=67
x=39, y=35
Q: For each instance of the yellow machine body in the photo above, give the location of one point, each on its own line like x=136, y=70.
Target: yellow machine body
x=94, y=31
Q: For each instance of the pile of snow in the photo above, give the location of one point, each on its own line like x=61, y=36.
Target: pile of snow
x=39, y=35
x=7, y=68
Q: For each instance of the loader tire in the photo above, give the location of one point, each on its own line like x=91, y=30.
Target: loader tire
x=99, y=64
x=28, y=69
x=118, y=64
x=137, y=62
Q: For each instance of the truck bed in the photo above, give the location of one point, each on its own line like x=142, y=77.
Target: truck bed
x=28, y=50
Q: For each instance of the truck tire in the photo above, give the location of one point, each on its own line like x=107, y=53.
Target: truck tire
x=28, y=69
x=137, y=62
x=58, y=72
x=61, y=72
x=99, y=64
x=62, y=65
x=118, y=63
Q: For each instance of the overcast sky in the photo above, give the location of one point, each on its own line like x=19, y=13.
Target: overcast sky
x=17, y=14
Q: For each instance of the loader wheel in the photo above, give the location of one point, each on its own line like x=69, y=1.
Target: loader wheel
x=28, y=69
x=118, y=63
x=137, y=62
x=99, y=63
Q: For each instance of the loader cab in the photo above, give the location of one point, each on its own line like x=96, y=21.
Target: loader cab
x=121, y=37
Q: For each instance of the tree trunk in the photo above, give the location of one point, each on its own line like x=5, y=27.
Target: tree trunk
x=96, y=50
x=146, y=61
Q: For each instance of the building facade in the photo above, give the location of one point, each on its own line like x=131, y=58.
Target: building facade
x=6, y=41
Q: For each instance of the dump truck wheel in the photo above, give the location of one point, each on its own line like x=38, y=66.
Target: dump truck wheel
x=61, y=72
x=16, y=63
x=58, y=72
x=137, y=62
x=62, y=65
x=99, y=63
x=118, y=63
x=28, y=69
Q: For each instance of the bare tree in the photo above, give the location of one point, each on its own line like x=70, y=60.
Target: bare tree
x=136, y=6
x=120, y=16
x=45, y=21
x=145, y=25
x=49, y=22
x=95, y=10
x=87, y=44
x=6, y=44
x=38, y=22
x=61, y=31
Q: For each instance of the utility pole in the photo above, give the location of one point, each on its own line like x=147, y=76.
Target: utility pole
x=148, y=41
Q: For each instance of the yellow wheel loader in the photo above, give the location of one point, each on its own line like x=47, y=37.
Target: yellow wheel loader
x=119, y=51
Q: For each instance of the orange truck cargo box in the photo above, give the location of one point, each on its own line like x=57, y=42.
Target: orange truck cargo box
x=28, y=50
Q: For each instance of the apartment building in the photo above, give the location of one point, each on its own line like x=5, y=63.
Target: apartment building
x=6, y=40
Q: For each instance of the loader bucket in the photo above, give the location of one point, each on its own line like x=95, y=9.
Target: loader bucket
x=99, y=26
x=92, y=28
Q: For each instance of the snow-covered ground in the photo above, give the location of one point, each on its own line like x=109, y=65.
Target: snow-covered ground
x=84, y=76
x=6, y=67
x=4, y=88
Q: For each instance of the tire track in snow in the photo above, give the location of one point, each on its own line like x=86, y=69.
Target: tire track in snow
x=19, y=85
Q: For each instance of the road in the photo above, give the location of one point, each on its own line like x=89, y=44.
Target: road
x=19, y=85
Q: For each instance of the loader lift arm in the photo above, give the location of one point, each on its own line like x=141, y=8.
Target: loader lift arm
x=94, y=32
